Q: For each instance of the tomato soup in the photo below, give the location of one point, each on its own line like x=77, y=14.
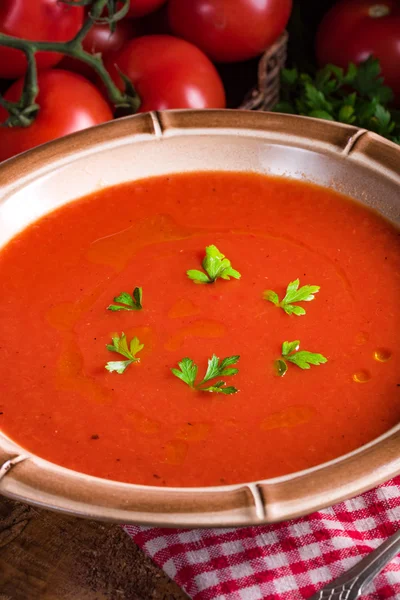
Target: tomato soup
x=146, y=425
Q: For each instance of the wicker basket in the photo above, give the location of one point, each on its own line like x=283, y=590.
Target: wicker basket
x=266, y=94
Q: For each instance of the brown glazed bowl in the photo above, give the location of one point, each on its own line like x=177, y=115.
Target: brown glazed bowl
x=350, y=160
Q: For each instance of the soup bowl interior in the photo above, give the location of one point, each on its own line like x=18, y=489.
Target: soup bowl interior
x=351, y=161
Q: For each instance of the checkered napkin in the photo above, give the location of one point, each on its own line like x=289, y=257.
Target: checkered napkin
x=286, y=561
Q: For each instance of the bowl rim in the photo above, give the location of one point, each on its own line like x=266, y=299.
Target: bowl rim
x=31, y=479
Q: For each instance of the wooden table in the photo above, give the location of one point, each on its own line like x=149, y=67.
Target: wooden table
x=50, y=556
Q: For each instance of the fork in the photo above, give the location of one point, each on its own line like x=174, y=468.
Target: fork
x=350, y=585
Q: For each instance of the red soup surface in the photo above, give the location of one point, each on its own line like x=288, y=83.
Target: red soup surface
x=147, y=426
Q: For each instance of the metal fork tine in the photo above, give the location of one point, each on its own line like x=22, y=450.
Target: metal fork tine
x=349, y=585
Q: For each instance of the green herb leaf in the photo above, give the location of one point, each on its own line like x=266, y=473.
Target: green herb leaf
x=321, y=114
x=120, y=345
x=293, y=294
x=293, y=309
x=187, y=372
x=217, y=369
x=289, y=347
x=198, y=276
x=304, y=294
x=217, y=389
x=304, y=359
x=215, y=265
x=351, y=74
x=316, y=100
x=357, y=96
x=300, y=358
x=128, y=301
x=290, y=76
x=346, y=114
x=280, y=367
x=367, y=81
x=383, y=119
x=271, y=296
x=285, y=107
x=138, y=295
x=118, y=366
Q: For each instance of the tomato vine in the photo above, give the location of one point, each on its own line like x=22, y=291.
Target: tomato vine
x=23, y=111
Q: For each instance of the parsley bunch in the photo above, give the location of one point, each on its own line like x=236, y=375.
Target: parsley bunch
x=120, y=346
x=293, y=294
x=187, y=372
x=128, y=301
x=301, y=358
x=215, y=265
x=357, y=97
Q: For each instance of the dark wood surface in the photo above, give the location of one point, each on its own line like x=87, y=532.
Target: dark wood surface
x=50, y=556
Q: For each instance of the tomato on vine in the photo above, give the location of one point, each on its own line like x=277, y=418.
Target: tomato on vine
x=168, y=72
x=229, y=31
x=353, y=30
x=68, y=103
x=46, y=20
x=100, y=40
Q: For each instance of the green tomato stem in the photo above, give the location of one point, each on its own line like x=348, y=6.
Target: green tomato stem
x=23, y=111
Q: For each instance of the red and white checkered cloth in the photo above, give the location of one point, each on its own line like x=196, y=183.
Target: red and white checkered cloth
x=286, y=561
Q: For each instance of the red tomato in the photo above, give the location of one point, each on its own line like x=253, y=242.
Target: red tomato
x=140, y=8
x=45, y=20
x=100, y=39
x=229, y=31
x=168, y=72
x=68, y=103
x=354, y=29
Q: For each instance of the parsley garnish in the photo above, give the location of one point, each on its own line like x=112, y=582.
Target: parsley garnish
x=215, y=265
x=293, y=294
x=188, y=372
x=357, y=96
x=120, y=345
x=301, y=358
x=128, y=302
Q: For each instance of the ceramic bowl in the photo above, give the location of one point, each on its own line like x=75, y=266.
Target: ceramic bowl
x=353, y=161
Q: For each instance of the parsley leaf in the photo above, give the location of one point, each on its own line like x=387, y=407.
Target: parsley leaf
x=128, y=302
x=187, y=372
x=215, y=265
x=217, y=369
x=289, y=347
x=120, y=345
x=280, y=367
x=357, y=96
x=300, y=358
x=304, y=359
x=293, y=294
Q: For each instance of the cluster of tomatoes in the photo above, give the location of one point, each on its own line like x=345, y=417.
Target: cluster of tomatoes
x=165, y=47
x=168, y=49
